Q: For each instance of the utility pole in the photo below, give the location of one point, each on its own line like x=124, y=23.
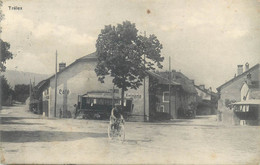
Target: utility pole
x=170, y=78
x=113, y=97
x=30, y=90
x=1, y=94
x=144, y=83
x=55, y=98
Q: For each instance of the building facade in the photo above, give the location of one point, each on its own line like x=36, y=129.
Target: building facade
x=230, y=92
x=247, y=111
x=183, y=95
x=240, y=97
x=207, y=101
x=79, y=78
x=163, y=97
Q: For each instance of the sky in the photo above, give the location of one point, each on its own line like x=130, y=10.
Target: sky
x=206, y=39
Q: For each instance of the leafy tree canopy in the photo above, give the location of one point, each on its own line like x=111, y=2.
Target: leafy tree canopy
x=126, y=56
x=1, y=14
x=5, y=54
x=121, y=53
x=21, y=92
x=6, y=90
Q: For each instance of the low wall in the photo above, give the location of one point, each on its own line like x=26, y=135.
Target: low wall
x=229, y=117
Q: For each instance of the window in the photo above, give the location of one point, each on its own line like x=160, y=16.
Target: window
x=161, y=108
x=165, y=96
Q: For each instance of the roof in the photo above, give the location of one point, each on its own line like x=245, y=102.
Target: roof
x=203, y=90
x=41, y=84
x=180, y=78
x=91, y=56
x=248, y=102
x=162, y=80
x=206, y=91
x=102, y=95
x=239, y=76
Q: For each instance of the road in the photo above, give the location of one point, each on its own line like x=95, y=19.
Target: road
x=29, y=138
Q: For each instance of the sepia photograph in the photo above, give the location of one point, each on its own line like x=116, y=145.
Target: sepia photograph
x=130, y=82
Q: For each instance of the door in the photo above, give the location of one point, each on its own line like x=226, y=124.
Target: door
x=45, y=108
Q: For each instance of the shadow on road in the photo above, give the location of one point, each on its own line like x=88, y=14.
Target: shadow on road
x=132, y=141
x=171, y=121
x=205, y=116
x=187, y=124
x=45, y=136
x=12, y=106
x=15, y=120
x=16, y=123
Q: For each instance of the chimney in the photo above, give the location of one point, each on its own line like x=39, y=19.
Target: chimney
x=193, y=82
x=62, y=65
x=202, y=86
x=239, y=69
x=246, y=66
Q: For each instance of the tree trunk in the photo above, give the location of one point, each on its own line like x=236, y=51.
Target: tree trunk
x=122, y=99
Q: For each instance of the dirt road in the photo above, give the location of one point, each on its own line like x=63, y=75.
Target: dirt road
x=29, y=138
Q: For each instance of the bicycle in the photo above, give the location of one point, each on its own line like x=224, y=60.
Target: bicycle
x=116, y=129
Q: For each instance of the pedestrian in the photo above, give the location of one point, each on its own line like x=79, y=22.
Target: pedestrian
x=76, y=111
x=60, y=113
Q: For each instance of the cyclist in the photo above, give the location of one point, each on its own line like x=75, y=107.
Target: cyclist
x=116, y=117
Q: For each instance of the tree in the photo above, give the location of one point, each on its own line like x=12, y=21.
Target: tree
x=21, y=92
x=1, y=14
x=126, y=56
x=5, y=54
x=6, y=91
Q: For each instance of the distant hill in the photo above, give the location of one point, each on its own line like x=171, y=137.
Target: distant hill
x=19, y=77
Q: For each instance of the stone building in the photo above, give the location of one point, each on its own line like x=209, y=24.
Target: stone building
x=163, y=95
x=183, y=96
x=207, y=101
x=230, y=91
x=242, y=90
x=247, y=111
x=78, y=84
x=78, y=79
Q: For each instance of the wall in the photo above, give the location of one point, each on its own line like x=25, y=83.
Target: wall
x=175, y=100
x=80, y=79
x=244, y=92
x=138, y=101
x=166, y=104
x=46, y=98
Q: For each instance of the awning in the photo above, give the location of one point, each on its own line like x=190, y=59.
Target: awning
x=97, y=96
x=248, y=102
